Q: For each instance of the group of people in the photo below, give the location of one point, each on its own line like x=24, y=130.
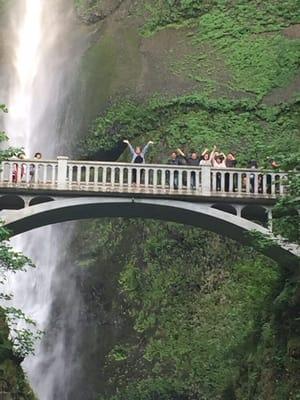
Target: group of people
x=23, y=171
x=211, y=158
x=178, y=157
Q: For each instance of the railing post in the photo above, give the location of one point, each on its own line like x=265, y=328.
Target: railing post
x=206, y=180
x=62, y=172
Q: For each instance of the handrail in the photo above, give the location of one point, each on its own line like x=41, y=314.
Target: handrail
x=99, y=176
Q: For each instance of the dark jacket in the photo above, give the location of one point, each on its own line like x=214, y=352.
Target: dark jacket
x=191, y=161
x=172, y=161
x=230, y=163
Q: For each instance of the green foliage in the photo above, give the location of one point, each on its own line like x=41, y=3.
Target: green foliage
x=13, y=351
x=23, y=339
x=203, y=310
x=87, y=8
x=92, y=11
x=245, y=36
x=259, y=241
x=236, y=16
x=194, y=301
x=262, y=63
x=286, y=212
x=254, y=131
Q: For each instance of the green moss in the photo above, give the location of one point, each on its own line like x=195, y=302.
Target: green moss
x=252, y=130
x=241, y=34
x=262, y=63
x=88, y=9
x=101, y=79
x=211, y=320
x=239, y=15
x=12, y=379
x=194, y=301
x=108, y=67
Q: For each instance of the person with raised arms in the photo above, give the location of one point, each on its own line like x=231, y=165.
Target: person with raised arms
x=138, y=154
x=138, y=157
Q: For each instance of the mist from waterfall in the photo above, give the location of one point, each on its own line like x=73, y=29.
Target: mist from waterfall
x=44, y=58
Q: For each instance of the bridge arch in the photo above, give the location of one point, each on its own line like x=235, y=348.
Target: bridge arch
x=254, y=212
x=11, y=202
x=194, y=214
x=225, y=207
x=40, y=199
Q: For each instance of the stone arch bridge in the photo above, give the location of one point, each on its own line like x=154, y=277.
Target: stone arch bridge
x=230, y=202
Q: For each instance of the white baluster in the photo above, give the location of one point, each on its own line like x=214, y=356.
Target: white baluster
x=265, y=184
x=155, y=171
x=197, y=181
x=248, y=182
x=188, y=179
x=113, y=176
x=171, y=174
x=138, y=177
x=104, y=176
x=214, y=181
x=54, y=177
x=222, y=177
x=256, y=183
x=87, y=174
x=239, y=182
x=206, y=180
x=78, y=175
x=281, y=187
x=129, y=177
x=44, y=174
x=273, y=184
x=2, y=172
x=121, y=177
x=163, y=179
x=231, y=177
x=96, y=176
x=146, y=177
x=180, y=177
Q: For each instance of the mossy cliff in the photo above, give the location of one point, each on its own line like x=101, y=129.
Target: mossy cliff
x=13, y=384
x=173, y=312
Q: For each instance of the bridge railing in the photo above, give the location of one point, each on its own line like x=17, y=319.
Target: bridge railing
x=64, y=174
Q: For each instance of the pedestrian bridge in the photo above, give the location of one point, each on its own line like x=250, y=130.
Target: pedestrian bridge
x=230, y=202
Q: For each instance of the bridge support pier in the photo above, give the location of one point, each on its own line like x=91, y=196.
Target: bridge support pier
x=238, y=209
x=270, y=219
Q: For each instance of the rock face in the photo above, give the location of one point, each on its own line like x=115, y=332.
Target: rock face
x=230, y=68
x=91, y=11
x=13, y=384
x=133, y=275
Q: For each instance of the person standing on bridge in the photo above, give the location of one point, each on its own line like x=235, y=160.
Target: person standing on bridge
x=36, y=157
x=15, y=173
x=138, y=156
x=206, y=158
x=231, y=162
x=173, y=160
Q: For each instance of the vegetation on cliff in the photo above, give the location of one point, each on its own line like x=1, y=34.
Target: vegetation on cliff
x=208, y=319
x=15, y=343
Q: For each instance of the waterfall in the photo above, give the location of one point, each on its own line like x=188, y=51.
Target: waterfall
x=45, y=53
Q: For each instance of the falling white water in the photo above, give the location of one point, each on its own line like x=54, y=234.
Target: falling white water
x=42, y=73
x=26, y=65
